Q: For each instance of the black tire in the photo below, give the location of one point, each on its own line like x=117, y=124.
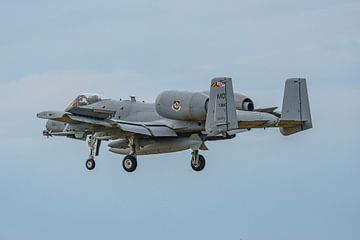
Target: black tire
x=201, y=164
x=90, y=164
x=129, y=163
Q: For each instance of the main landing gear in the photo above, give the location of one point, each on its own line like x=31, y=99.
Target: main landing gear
x=90, y=164
x=197, y=161
x=130, y=161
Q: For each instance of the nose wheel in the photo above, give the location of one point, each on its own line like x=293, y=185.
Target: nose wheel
x=129, y=163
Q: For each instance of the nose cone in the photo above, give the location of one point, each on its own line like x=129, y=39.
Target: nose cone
x=43, y=115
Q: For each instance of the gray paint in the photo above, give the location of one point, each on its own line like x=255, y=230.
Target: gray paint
x=221, y=115
x=181, y=105
x=158, y=146
x=178, y=119
x=296, y=106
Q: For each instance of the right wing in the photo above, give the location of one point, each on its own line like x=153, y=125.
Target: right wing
x=154, y=129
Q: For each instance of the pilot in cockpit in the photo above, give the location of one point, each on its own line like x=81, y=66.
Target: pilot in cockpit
x=85, y=99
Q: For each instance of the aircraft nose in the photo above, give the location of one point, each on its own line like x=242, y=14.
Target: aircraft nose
x=41, y=115
x=47, y=114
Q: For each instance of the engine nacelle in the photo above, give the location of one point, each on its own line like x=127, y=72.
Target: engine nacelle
x=179, y=105
x=243, y=103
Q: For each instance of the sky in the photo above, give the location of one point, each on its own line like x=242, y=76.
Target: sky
x=258, y=186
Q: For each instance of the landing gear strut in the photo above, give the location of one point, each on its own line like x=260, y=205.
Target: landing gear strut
x=197, y=161
x=94, y=145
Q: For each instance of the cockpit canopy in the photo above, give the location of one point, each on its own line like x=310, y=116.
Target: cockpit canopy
x=85, y=99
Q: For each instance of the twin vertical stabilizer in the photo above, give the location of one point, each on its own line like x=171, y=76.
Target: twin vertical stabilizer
x=295, y=114
x=221, y=115
x=222, y=119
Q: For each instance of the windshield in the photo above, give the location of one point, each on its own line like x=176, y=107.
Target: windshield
x=85, y=99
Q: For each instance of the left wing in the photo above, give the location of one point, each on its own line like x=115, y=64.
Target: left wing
x=154, y=129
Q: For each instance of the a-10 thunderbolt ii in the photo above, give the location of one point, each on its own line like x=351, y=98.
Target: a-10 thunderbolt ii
x=177, y=120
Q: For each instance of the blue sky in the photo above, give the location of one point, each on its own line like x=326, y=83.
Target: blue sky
x=260, y=185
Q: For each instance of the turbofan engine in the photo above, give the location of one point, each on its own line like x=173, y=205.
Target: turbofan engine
x=192, y=106
x=178, y=105
x=242, y=102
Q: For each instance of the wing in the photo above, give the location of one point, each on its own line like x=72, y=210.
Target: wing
x=154, y=129
x=67, y=117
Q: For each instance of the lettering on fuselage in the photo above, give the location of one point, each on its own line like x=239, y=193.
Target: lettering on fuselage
x=221, y=96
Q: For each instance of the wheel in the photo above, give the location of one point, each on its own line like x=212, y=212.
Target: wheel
x=90, y=164
x=129, y=163
x=201, y=164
